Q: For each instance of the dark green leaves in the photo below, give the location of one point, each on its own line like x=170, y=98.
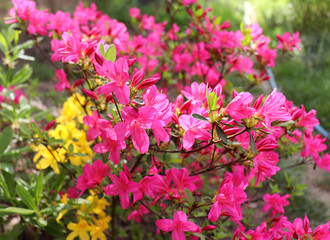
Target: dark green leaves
x=5, y=139
x=199, y=117
x=26, y=197
x=22, y=75
x=221, y=134
x=253, y=144
x=39, y=187
x=16, y=210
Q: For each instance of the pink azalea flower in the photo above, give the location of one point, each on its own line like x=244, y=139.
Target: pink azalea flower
x=286, y=42
x=239, y=107
x=275, y=202
x=266, y=56
x=225, y=39
x=313, y=145
x=187, y=2
x=70, y=49
x=146, y=186
x=322, y=232
x=194, y=129
x=92, y=175
x=93, y=122
x=117, y=73
x=135, y=123
x=24, y=9
x=182, y=180
x=228, y=201
x=38, y=21
x=296, y=229
x=274, y=108
x=134, y=12
x=264, y=165
x=196, y=93
x=121, y=186
x=308, y=119
x=137, y=214
x=63, y=81
x=241, y=64
x=177, y=226
x=60, y=22
x=113, y=141
x=182, y=61
x=324, y=162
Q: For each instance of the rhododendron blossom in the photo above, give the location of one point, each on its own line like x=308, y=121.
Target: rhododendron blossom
x=177, y=226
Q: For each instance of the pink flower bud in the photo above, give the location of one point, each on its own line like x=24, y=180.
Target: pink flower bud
x=78, y=82
x=131, y=61
x=147, y=83
x=90, y=93
x=137, y=77
x=209, y=228
x=50, y=125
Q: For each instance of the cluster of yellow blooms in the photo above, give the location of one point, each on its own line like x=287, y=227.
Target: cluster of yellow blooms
x=71, y=130
x=91, y=217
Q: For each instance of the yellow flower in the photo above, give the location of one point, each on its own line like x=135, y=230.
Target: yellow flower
x=60, y=215
x=99, y=205
x=64, y=198
x=99, y=226
x=79, y=229
x=47, y=157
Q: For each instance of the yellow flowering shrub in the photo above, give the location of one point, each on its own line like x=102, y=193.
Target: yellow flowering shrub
x=72, y=132
x=91, y=217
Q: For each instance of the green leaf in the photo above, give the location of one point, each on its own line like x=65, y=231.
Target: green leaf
x=189, y=196
x=22, y=75
x=16, y=210
x=217, y=21
x=41, y=115
x=111, y=53
x=199, y=12
x=102, y=50
x=26, y=197
x=17, y=151
x=70, y=148
x=253, y=144
x=199, y=117
x=6, y=166
x=212, y=101
x=9, y=179
x=3, y=43
x=3, y=77
x=42, y=222
x=39, y=187
x=4, y=185
x=57, y=184
x=35, y=128
x=79, y=154
x=221, y=134
x=5, y=139
x=25, y=45
x=283, y=124
x=25, y=130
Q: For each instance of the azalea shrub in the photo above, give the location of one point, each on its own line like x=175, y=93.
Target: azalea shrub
x=160, y=136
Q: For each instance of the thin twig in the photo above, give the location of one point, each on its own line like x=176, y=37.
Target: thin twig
x=137, y=162
x=152, y=211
